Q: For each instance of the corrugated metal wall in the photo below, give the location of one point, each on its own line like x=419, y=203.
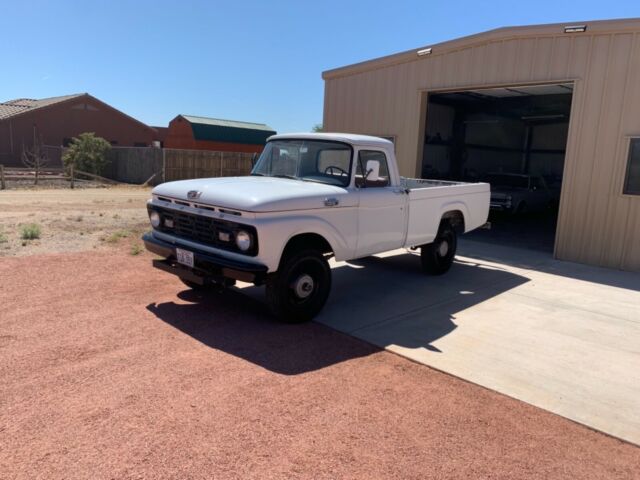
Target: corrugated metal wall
x=597, y=224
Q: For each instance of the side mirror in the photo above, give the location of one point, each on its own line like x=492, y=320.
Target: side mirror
x=373, y=170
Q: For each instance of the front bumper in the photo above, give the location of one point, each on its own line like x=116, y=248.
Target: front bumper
x=208, y=267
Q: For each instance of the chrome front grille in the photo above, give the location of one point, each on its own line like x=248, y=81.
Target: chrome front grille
x=195, y=227
x=204, y=229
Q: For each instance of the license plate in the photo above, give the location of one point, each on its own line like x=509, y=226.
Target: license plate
x=185, y=257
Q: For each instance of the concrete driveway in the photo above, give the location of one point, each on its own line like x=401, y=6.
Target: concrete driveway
x=562, y=336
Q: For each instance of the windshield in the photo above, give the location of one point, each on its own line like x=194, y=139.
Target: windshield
x=309, y=160
x=506, y=180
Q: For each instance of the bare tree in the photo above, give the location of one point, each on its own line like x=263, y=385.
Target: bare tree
x=35, y=157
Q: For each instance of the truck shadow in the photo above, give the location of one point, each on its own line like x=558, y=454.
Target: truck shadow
x=389, y=301
x=371, y=298
x=239, y=325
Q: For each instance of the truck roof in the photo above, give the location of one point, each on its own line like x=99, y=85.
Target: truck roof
x=351, y=138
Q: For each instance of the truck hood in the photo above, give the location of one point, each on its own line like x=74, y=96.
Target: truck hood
x=256, y=194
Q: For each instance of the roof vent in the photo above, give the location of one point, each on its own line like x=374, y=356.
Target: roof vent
x=424, y=51
x=575, y=28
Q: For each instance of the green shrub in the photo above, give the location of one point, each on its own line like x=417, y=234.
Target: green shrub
x=87, y=153
x=3, y=238
x=136, y=249
x=30, y=231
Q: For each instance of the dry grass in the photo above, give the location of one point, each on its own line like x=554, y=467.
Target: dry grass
x=71, y=220
x=115, y=237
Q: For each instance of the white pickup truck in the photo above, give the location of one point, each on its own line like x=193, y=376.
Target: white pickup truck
x=308, y=197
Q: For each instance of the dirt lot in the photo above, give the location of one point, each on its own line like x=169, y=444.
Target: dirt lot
x=110, y=369
x=71, y=220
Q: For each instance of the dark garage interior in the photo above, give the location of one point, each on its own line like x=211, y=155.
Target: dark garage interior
x=513, y=138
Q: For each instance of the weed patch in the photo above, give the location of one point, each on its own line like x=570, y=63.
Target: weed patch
x=116, y=236
x=30, y=231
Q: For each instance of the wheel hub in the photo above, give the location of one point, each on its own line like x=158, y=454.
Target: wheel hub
x=443, y=248
x=303, y=286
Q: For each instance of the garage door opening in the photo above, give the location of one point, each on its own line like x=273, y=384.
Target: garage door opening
x=513, y=138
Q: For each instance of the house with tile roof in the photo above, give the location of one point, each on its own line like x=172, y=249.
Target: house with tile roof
x=57, y=120
x=203, y=133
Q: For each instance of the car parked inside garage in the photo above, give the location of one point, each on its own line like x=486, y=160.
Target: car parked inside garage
x=518, y=193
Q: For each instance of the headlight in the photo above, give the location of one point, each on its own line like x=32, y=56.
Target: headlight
x=243, y=240
x=155, y=219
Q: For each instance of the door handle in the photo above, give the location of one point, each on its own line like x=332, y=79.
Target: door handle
x=331, y=202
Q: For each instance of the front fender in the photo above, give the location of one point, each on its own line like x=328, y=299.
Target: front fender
x=275, y=232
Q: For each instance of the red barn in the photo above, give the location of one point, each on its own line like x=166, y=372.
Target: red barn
x=202, y=133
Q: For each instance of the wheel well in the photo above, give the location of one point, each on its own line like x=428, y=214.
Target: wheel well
x=456, y=219
x=304, y=241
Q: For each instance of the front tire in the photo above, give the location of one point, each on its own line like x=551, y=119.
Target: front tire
x=299, y=289
x=437, y=257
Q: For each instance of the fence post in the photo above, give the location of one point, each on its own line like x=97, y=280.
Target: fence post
x=71, y=174
x=221, y=160
x=2, y=184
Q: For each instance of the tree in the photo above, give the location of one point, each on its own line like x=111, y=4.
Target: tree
x=88, y=153
x=35, y=157
x=317, y=128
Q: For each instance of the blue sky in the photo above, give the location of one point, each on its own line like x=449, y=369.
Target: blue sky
x=243, y=60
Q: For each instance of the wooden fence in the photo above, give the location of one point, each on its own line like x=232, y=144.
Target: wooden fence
x=155, y=165
x=35, y=176
x=183, y=164
x=134, y=165
x=152, y=165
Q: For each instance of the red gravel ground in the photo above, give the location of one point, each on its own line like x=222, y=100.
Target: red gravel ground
x=110, y=369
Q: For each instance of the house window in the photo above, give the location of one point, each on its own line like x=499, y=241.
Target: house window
x=632, y=179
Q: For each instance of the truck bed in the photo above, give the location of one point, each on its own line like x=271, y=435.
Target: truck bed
x=417, y=183
x=429, y=200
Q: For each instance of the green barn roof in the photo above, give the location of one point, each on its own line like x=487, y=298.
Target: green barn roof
x=231, y=131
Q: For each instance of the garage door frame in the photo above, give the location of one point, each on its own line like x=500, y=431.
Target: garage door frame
x=423, y=98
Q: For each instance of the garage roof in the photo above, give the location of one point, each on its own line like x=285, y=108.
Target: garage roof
x=548, y=30
x=231, y=131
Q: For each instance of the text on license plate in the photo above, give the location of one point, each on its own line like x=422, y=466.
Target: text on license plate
x=185, y=257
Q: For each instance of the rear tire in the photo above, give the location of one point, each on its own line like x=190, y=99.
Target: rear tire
x=299, y=289
x=437, y=257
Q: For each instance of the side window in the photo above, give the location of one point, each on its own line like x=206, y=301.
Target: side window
x=632, y=179
x=372, y=169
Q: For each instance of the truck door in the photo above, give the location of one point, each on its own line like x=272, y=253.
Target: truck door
x=381, y=209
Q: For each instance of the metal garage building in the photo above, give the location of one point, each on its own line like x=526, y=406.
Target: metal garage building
x=559, y=101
